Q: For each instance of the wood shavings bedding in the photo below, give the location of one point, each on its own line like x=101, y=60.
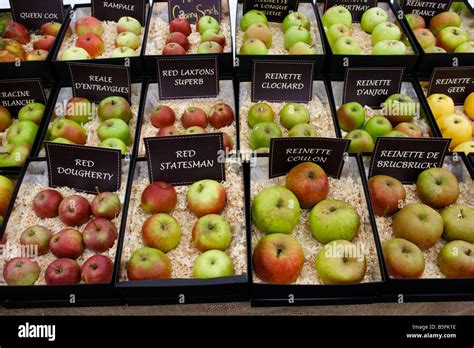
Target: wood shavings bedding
x=159, y=30
x=349, y=189
x=152, y=100
x=23, y=216
x=184, y=255
x=318, y=107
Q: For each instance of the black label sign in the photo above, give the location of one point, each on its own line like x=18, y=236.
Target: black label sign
x=192, y=10
x=275, y=10
x=355, y=7
x=405, y=158
x=84, y=168
x=98, y=81
x=458, y=83
x=113, y=10
x=282, y=81
x=285, y=153
x=425, y=8
x=184, y=159
x=183, y=78
x=33, y=14
x=14, y=94
x=372, y=86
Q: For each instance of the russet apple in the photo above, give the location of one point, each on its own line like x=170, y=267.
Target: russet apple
x=303, y=130
x=46, y=203
x=92, y=43
x=456, y=127
x=220, y=115
x=17, y=32
x=68, y=129
x=114, y=107
x=456, y=259
x=158, y=197
x=67, y=243
x=262, y=133
x=32, y=112
x=213, y=264
x=410, y=129
x=194, y=117
x=260, y=112
x=309, y=182
x=440, y=105
x=38, y=236
x=130, y=24
x=451, y=37
x=386, y=193
x=351, y=116
x=425, y=37
x=149, y=263
x=361, y=141
x=437, y=187
x=80, y=110
x=21, y=271
x=260, y=32
x=74, y=210
x=97, y=269
x=88, y=24
x=253, y=47
x=206, y=197
x=209, y=47
x=99, y=235
x=178, y=38
x=444, y=20
x=106, y=205
x=44, y=42
x=212, y=232
x=180, y=25
x=337, y=15
x=403, y=258
x=292, y=114
x=458, y=222
x=161, y=231
x=251, y=17
x=63, y=271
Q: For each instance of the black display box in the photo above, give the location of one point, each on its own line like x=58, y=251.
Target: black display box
x=159, y=8
x=427, y=289
x=177, y=290
x=42, y=69
x=62, y=66
x=243, y=63
x=267, y=295
x=429, y=61
x=60, y=295
x=338, y=63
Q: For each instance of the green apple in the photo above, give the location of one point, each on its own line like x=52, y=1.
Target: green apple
x=114, y=128
x=451, y=37
x=303, y=130
x=114, y=143
x=70, y=130
x=456, y=259
x=15, y=155
x=296, y=34
x=377, y=126
x=458, y=222
x=62, y=141
x=395, y=134
x=296, y=19
x=212, y=231
x=301, y=48
x=403, y=258
x=32, y=112
x=80, y=110
x=333, y=219
x=114, y=107
x=467, y=47
x=195, y=130
x=213, y=264
x=205, y=23
x=22, y=132
x=127, y=39
x=251, y=17
x=253, y=47
x=129, y=24
x=74, y=53
x=337, y=15
x=275, y=210
x=386, y=31
x=122, y=52
x=399, y=108
x=292, y=114
x=262, y=133
x=361, y=141
x=336, y=31
x=372, y=17
x=260, y=112
x=346, y=45
x=389, y=48
x=351, y=116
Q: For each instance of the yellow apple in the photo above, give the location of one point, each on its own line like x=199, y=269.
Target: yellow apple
x=467, y=147
x=6, y=190
x=469, y=106
x=441, y=105
x=456, y=127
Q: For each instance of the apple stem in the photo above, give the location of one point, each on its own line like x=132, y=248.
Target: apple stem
x=97, y=190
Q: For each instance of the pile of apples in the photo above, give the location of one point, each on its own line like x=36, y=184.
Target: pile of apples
x=278, y=257
x=460, y=128
x=257, y=39
x=114, y=113
x=194, y=120
x=98, y=235
x=21, y=133
x=444, y=33
x=386, y=36
x=212, y=39
x=89, y=43
x=261, y=119
x=396, y=120
x=161, y=232
x=419, y=226
x=16, y=37
x=6, y=191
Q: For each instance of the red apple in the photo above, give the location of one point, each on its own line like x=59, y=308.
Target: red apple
x=36, y=55
x=228, y=142
x=67, y=243
x=163, y=116
x=21, y=271
x=106, y=205
x=89, y=24
x=172, y=49
x=97, y=269
x=181, y=25
x=386, y=193
x=309, y=182
x=159, y=197
x=53, y=29
x=221, y=115
x=92, y=43
x=45, y=42
x=179, y=38
x=99, y=235
x=74, y=210
x=37, y=235
x=194, y=117
x=170, y=130
x=46, y=203
x=148, y=263
x=63, y=272
x=17, y=32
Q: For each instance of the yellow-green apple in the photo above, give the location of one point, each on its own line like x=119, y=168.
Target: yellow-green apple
x=337, y=15
x=278, y=259
x=415, y=21
x=15, y=155
x=53, y=29
x=458, y=222
x=97, y=269
x=302, y=48
x=214, y=35
x=113, y=143
x=456, y=259
x=437, y=187
x=74, y=210
x=17, y=32
x=172, y=49
x=158, y=197
x=36, y=55
x=303, y=130
x=378, y=126
x=170, y=130
x=74, y=53
x=296, y=19
x=466, y=147
x=338, y=262
x=80, y=110
x=21, y=271
x=260, y=32
x=70, y=130
x=161, y=231
x=213, y=264
x=292, y=114
x=467, y=47
x=121, y=52
x=418, y=223
x=441, y=105
x=372, y=17
x=403, y=258
x=435, y=49
x=309, y=182
x=253, y=47
x=89, y=24
x=275, y=210
x=206, y=197
x=46, y=203
x=99, y=235
x=178, y=38
x=194, y=117
x=456, y=127
x=114, y=128
x=32, y=112
x=251, y=17
x=262, y=133
x=346, y=45
x=361, y=141
x=92, y=43
x=212, y=232
x=38, y=236
x=386, y=31
x=114, y=107
x=205, y=23
x=333, y=219
x=209, y=47
x=220, y=115
x=67, y=243
x=44, y=42
x=395, y=134
x=62, y=141
x=195, y=130
x=337, y=31
x=7, y=57
x=389, y=47
x=148, y=263
x=410, y=129
x=5, y=118
x=444, y=20
x=180, y=24
x=296, y=34
x=425, y=37
x=106, y=205
x=351, y=116
x=260, y=112
x=23, y=132
x=6, y=190
x=13, y=48
x=451, y=37
x=127, y=39
x=63, y=271
x=386, y=194
x=129, y=24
